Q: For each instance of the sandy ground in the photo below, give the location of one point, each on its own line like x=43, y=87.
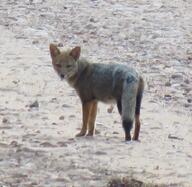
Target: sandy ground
x=39, y=114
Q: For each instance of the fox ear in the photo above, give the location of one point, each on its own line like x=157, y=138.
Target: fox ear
x=75, y=52
x=54, y=51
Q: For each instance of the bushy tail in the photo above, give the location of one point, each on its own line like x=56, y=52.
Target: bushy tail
x=139, y=96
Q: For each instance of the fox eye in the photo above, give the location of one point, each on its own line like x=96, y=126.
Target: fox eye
x=58, y=65
x=68, y=66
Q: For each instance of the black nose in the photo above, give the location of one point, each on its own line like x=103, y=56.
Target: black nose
x=62, y=76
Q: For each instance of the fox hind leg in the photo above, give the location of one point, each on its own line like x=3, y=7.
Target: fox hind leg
x=137, y=127
x=137, y=109
x=137, y=117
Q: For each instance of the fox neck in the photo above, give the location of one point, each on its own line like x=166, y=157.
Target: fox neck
x=82, y=66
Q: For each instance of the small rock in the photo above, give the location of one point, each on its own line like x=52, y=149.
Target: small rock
x=60, y=44
x=61, y=118
x=71, y=139
x=187, y=81
x=62, y=144
x=189, y=100
x=84, y=41
x=47, y=144
x=34, y=183
x=156, y=168
x=62, y=180
x=115, y=132
x=168, y=84
x=5, y=120
x=34, y=105
x=189, y=58
x=72, y=116
x=187, y=105
x=54, y=99
x=176, y=76
x=115, y=122
x=174, y=137
x=167, y=97
x=100, y=153
x=92, y=20
x=15, y=82
x=187, y=90
x=19, y=175
x=45, y=118
x=35, y=42
x=14, y=144
x=65, y=106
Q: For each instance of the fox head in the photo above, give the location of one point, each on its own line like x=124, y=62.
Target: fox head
x=65, y=63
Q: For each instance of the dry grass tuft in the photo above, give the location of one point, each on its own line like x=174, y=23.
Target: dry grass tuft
x=130, y=182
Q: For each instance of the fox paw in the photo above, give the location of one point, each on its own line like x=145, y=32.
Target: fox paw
x=135, y=138
x=89, y=134
x=80, y=134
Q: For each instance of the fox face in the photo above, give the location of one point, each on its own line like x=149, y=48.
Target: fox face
x=65, y=63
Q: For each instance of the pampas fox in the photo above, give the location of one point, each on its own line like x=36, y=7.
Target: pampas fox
x=95, y=82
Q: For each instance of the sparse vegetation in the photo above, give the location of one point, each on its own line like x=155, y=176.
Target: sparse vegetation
x=131, y=182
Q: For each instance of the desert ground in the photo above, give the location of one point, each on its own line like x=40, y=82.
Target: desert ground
x=40, y=114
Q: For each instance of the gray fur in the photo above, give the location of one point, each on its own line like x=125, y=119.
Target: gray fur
x=105, y=82
x=102, y=82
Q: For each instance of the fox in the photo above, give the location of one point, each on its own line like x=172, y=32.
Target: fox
x=100, y=82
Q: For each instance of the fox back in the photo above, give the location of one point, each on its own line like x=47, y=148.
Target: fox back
x=103, y=82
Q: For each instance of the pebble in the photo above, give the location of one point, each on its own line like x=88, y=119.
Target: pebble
x=60, y=45
x=168, y=84
x=167, y=97
x=34, y=105
x=35, y=42
x=115, y=132
x=5, y=120
x=176, y=76
x=14, y=143
x=189, y=100
x=61, y=118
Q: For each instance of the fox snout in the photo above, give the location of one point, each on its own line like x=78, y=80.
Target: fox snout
x=62, y=76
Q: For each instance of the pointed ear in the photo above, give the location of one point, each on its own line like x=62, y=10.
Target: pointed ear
x=54, y=51
x=75, y=53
